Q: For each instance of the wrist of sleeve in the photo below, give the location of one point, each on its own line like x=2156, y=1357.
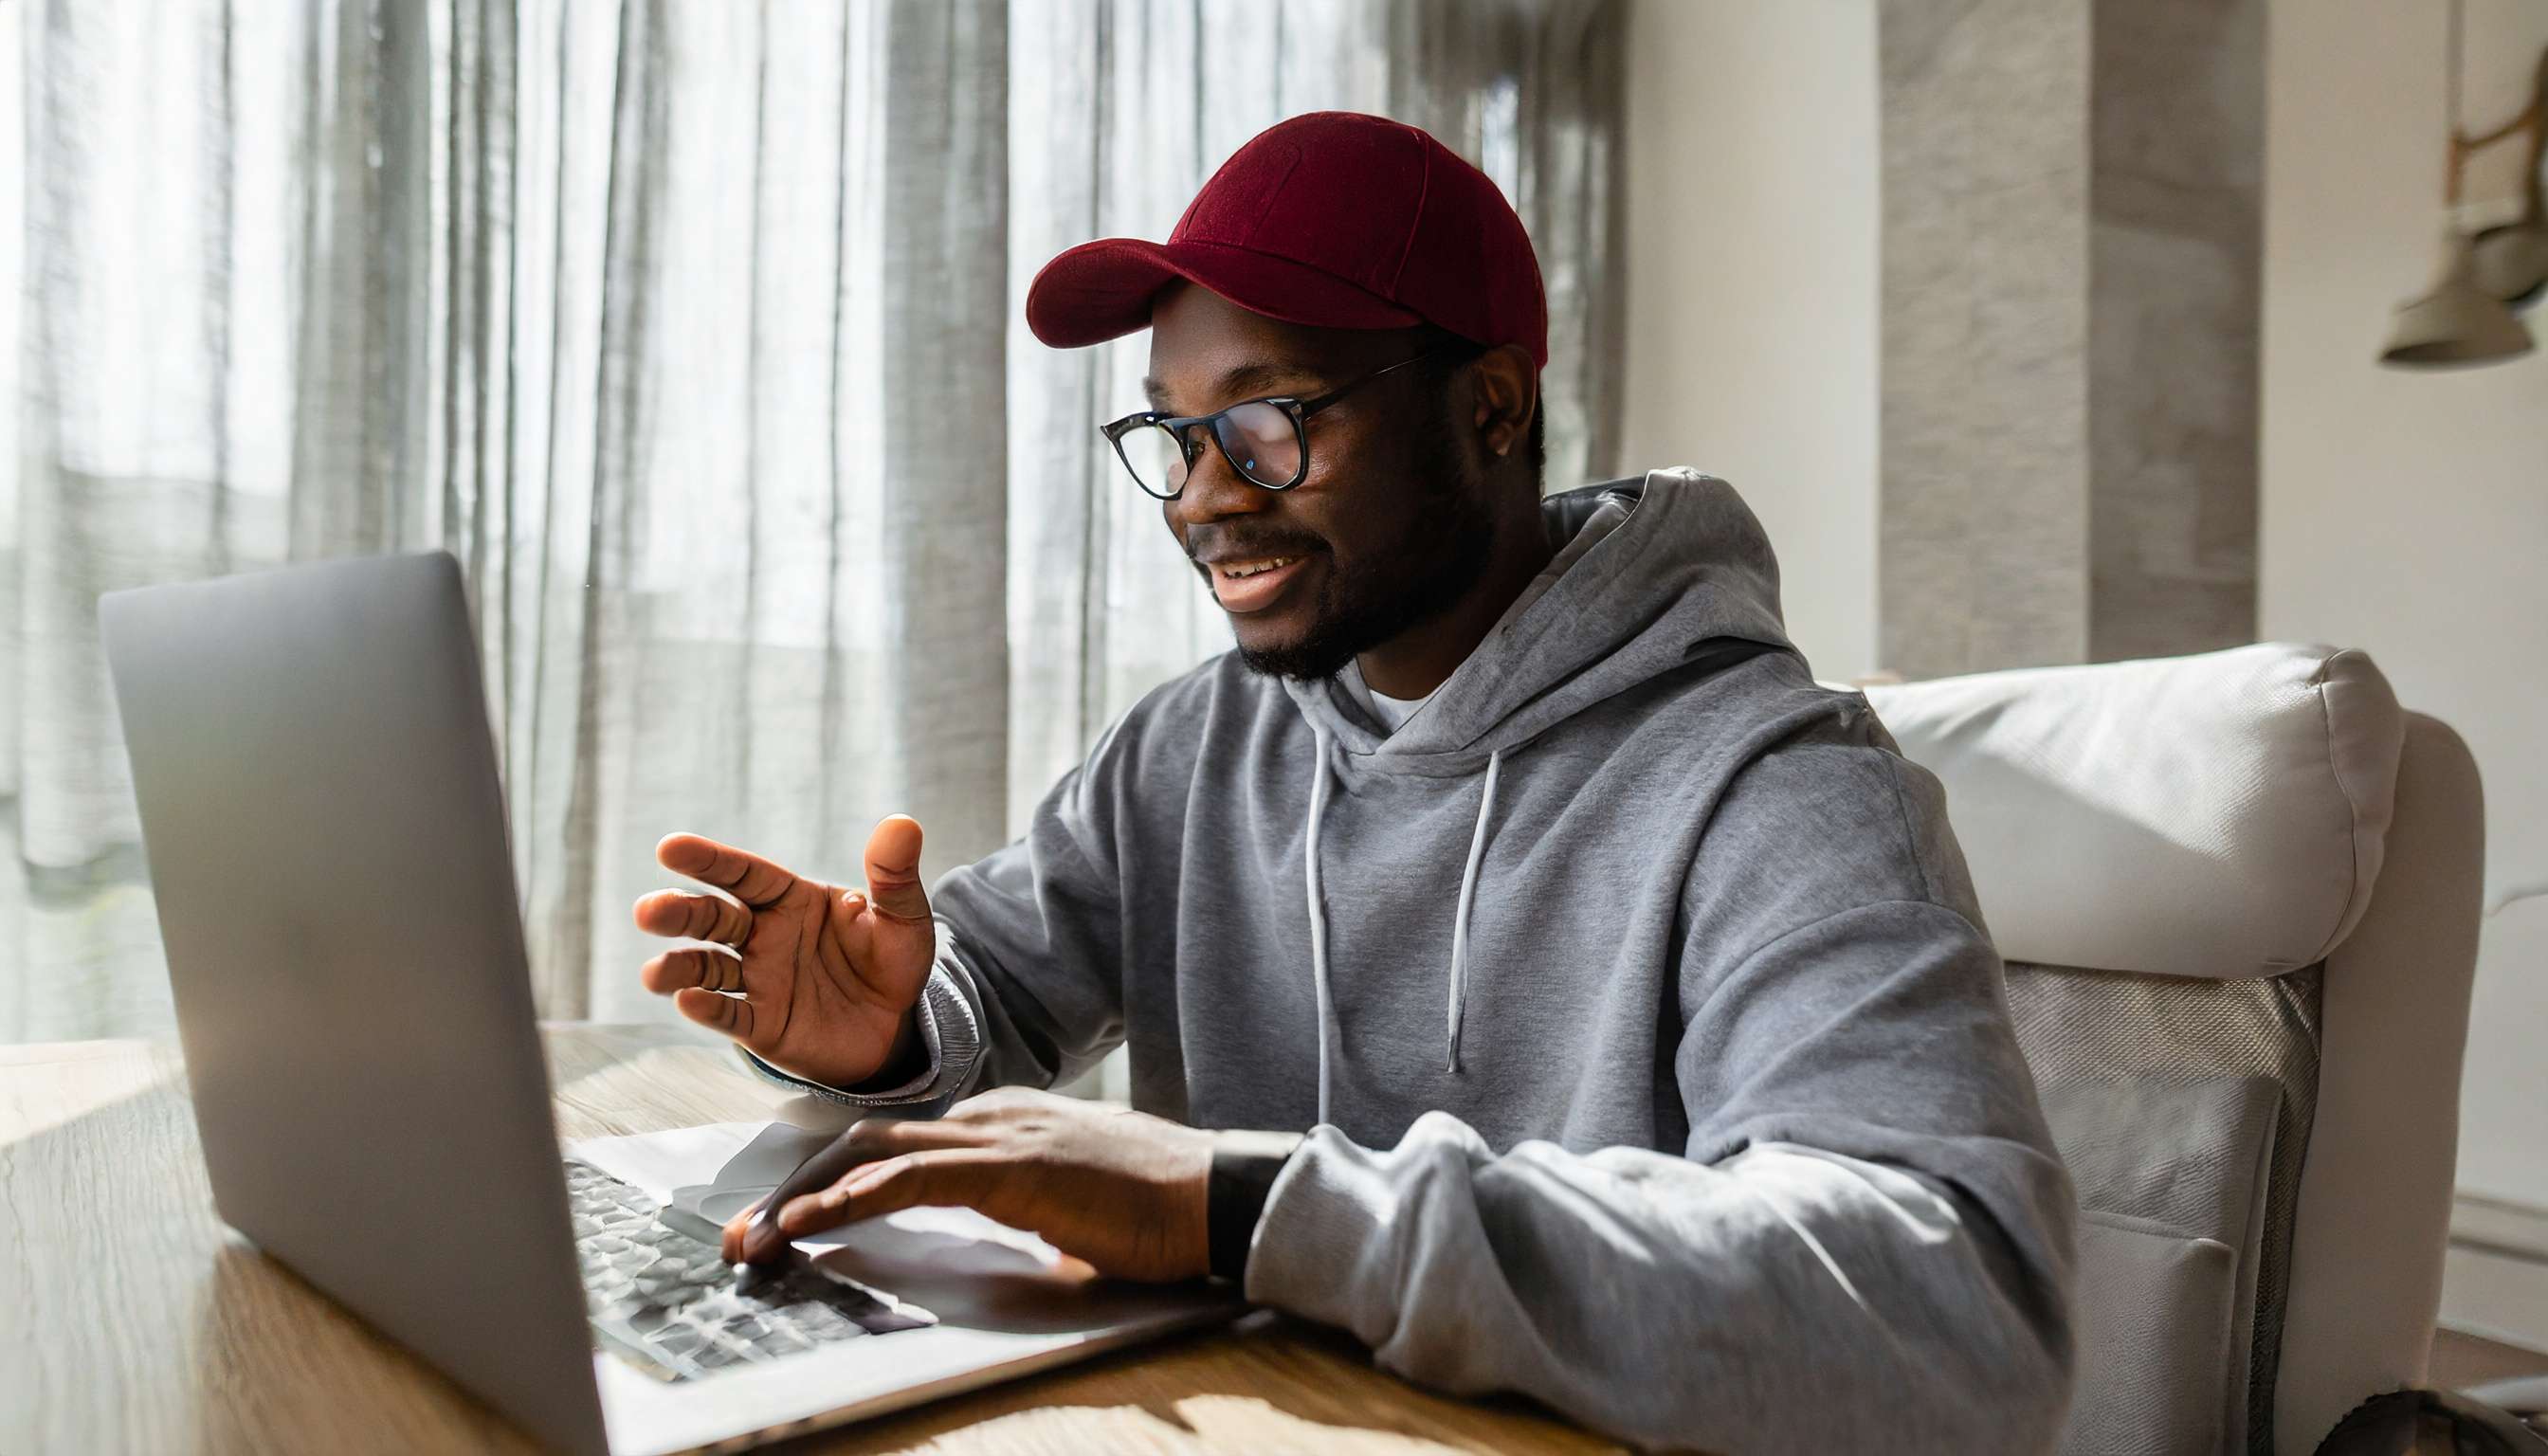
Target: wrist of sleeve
x=1244, y=1166
x=949, y=1041
x=1344, y=1224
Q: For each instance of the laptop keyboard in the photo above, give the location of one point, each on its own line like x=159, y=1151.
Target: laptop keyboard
x=668, y=1304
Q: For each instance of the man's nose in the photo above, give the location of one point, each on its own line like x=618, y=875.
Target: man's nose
x=1215, y=491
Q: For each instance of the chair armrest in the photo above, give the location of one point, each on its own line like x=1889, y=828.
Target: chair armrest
x=2441, y=1422
x=2525, y=1396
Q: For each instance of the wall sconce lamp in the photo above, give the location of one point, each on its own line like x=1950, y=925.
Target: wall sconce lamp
x=2467, y=316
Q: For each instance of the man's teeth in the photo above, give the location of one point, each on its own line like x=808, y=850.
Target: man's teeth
x=1253, y=568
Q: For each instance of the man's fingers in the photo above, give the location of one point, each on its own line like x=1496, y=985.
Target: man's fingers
x=881, y=1137
x=698, y=917
x=674, y=970
x=734, y=1231
x=754, y=880
x=722, y=1013
x=867, y=1141
x=954, y=1178
x=893, y=870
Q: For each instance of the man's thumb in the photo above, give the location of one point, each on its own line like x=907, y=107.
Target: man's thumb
x=893, y=870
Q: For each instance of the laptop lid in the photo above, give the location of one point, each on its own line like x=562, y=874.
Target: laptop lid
x=327, y=841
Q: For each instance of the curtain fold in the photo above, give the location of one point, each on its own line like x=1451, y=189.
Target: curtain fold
x=692, y=330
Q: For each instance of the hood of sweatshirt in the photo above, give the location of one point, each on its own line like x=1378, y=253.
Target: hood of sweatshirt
x=1649, y=576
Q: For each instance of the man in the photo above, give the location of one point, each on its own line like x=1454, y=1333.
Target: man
x=1525, y=966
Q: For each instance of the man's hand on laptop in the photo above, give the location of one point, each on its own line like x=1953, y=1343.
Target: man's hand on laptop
x=815, y=980
x=1125, y=1191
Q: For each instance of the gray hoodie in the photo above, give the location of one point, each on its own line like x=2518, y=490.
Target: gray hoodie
x=1654, y=1057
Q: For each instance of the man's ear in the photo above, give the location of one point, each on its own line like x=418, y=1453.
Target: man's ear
x=1506, y=387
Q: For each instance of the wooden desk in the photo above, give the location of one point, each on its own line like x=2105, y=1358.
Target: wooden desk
x=137, y=1322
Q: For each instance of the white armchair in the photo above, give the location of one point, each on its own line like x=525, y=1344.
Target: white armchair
x=2239, y=894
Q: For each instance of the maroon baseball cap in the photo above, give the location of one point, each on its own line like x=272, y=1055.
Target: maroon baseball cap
x=1333, y=218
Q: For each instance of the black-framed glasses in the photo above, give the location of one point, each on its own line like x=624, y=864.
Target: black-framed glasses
x=1267, y=440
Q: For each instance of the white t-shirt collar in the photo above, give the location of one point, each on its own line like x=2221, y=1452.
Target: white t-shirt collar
x=1389, y=712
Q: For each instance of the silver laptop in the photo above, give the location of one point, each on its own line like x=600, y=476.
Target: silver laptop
x=327, y=839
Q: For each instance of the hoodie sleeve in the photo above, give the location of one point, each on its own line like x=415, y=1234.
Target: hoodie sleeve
x=1868, y=1241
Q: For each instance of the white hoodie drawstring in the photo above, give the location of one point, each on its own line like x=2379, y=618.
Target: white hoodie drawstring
x=1458, y=999
x=1460, y=922
x=1319, y=913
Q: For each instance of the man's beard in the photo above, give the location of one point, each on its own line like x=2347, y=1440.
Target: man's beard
x=1438, y=561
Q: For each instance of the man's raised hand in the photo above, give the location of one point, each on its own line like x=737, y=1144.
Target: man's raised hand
x=824, y=977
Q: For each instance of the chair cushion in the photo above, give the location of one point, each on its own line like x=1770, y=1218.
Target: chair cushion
x=2158, y=1343
x=2184, y=1105
x=2172, y=1190
x=2218, y=815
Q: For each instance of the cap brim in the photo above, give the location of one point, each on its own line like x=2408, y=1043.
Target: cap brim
x=1103, y=290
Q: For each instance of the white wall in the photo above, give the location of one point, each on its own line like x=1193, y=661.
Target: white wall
x=2407, y=512
x=1750, y=257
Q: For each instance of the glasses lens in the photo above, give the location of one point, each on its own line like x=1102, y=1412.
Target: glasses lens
x=1156, y=461
x=1264, y=442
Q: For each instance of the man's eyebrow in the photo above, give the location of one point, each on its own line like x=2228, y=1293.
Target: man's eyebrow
x=1257, y=377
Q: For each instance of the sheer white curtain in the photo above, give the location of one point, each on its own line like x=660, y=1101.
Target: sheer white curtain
x=692, y=328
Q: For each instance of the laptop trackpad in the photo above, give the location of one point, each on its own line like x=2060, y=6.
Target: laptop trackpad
x=772, y=1153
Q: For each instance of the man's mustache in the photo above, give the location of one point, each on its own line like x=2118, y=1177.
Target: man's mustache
x=1245, y=548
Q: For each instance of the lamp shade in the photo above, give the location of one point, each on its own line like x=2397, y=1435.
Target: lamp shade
x=2511, y=262
x=2455, y=321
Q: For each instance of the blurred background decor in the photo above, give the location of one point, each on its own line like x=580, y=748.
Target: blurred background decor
x=2486, y=274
